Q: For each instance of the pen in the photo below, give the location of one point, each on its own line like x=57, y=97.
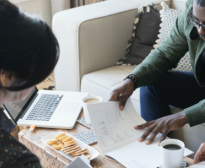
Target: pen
x=120, y=97
x=32, y=128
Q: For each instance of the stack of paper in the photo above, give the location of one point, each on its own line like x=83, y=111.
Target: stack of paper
x=115, y=133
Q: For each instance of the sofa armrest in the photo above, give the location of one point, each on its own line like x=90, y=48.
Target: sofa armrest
x=92, y=37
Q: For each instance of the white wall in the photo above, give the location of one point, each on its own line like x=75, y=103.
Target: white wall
x=39, y=7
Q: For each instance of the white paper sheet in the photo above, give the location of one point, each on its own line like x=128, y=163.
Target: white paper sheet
x=115, y=133
x=199, y=165
x=140, y=155
x=114, y=128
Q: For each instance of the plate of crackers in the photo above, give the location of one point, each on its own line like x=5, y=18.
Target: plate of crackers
x=69, y=146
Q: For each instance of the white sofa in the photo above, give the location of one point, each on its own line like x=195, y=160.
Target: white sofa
x=92, y=38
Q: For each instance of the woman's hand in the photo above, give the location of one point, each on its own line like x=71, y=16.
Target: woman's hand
x=126, y=89
x=200, y=154
x=164, y=125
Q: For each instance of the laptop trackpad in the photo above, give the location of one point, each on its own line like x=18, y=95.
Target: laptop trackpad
x=68, y=107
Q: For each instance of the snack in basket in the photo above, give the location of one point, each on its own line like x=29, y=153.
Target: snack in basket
x=68, y=146
x=57, y=146
x=52, y=141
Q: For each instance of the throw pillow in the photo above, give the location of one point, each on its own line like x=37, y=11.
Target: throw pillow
x=145, y=31
x=168, y=20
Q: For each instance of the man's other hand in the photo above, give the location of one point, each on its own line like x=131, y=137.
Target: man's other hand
x=126, y=89
x=163, y=125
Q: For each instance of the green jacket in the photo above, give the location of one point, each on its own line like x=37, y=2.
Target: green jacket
x=167, y=55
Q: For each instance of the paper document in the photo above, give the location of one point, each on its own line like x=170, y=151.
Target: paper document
x=199, y=165
x=115, y=134
x=80, y=162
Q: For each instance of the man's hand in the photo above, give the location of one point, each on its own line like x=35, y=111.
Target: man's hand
x=200, y=154
x=164, y=125
x=126, y=89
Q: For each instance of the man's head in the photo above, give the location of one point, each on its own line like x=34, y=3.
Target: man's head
x=199, y=16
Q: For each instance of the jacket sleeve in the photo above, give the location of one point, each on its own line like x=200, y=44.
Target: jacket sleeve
x=196, y=113
x=166, y=56
x=14, y=154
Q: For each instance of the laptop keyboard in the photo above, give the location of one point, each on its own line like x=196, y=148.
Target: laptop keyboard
x=45, y=107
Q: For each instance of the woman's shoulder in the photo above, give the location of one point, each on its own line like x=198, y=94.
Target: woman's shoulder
x=13, y=153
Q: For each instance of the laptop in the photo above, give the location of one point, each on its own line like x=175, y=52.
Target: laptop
x=47, y=108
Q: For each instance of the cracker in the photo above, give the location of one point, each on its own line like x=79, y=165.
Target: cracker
x=69, y=142
x=82, y=151
x=58, y=136
x=51, y=141
x=72, y=151
x=57, y=146
x=68, y=147
x=88, y=155
x=68, y=150
x=62, y=138
x=67, y=139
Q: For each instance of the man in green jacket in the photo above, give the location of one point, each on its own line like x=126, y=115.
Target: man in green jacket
x=160, y=88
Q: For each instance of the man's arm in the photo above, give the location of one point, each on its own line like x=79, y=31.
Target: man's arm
x=196, y=113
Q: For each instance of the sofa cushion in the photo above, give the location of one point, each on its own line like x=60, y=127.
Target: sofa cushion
x=102, y=82
x=144, y=34
x=107, y=79
x=169, y=17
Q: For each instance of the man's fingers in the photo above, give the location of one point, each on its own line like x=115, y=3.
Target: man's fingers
x=196, y=158
x=142, y=126
x=147, y=132
x=114, y=96
x=122, y=102
x=200, y=152
x=154, y=132
x=164, y=135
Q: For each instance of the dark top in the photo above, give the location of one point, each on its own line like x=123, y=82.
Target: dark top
x=12, y=153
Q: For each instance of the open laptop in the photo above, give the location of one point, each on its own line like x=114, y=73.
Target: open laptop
x=45, y=108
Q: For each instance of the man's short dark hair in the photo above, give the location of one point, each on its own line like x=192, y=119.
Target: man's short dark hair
x=200, y=2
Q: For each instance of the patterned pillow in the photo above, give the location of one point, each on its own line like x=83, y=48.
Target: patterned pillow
x=145, y=30
x=168, y=20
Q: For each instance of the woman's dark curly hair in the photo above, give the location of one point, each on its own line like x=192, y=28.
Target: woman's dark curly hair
x=28, y=47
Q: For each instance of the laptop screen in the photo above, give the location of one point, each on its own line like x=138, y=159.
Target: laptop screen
x=14, y=109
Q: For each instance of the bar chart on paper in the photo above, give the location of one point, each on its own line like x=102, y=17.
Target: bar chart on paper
x=115, y=126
